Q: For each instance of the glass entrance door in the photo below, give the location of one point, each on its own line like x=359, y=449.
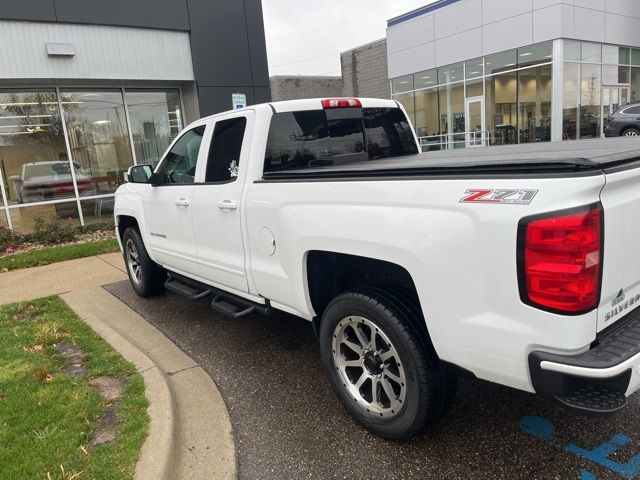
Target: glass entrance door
x=613, y=97
x=475, y=129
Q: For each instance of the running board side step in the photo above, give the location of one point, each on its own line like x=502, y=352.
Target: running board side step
x=223, y=302
x=188, y=291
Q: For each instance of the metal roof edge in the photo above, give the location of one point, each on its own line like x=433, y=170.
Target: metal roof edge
x=420, y=11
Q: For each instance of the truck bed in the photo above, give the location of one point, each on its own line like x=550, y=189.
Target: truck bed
x=557, y=157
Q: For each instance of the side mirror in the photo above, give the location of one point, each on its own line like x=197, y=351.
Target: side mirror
x=139, y=174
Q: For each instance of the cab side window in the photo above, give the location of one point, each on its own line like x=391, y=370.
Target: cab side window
x=179, y=165
x=226, y=146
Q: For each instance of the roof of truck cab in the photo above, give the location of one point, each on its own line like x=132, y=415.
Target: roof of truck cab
x=316, y=104
x=298, y=105
x=558, y=156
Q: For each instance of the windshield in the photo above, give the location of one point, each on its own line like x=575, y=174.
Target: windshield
x=321, y=138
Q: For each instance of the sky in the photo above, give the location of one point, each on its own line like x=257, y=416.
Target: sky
x=305, y=37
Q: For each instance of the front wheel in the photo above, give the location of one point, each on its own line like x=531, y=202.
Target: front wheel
x=379, y=368
x=147, y=278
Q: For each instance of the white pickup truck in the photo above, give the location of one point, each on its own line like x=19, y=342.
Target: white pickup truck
x=519, y=265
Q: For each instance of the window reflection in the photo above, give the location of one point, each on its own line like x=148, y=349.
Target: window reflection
x=571, y=101
x=23, y=218
x=33, y=157
x=156, y=120
x=590, y=101
x=99, y=138
x=502, y=108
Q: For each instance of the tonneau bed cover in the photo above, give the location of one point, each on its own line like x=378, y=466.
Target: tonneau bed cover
x=553, y=157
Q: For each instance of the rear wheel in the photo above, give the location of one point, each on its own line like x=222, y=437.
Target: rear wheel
x=380, y=368
x=147, y=278
x=631, y=132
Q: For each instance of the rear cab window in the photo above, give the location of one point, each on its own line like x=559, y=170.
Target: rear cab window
x=324, y=138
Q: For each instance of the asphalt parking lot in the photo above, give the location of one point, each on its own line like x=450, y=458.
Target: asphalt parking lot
x=288, y=424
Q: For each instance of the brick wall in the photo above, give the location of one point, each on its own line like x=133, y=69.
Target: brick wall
x=364, y=74
x=293, y=88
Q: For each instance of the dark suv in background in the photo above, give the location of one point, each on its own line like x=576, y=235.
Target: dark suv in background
x=625, y=122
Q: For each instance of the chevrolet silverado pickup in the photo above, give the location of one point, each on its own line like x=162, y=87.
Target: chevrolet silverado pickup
x=519, y=265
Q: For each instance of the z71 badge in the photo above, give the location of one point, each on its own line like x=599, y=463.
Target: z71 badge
x=499, y=196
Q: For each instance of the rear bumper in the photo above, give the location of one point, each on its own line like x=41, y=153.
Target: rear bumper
x=607, y=373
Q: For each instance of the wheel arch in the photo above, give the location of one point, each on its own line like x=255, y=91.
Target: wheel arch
x=328, y=274
x=626, y=128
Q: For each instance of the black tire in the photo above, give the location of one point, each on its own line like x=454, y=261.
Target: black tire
x=151, y=277
x=429, y=385
x=630, y=132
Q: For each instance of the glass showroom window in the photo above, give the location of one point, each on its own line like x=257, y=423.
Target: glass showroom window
x=502, y=108
x=571, y=101
x=100, y=147
x=452, y=118
x=402, y=92
x=534, y=99
x=23, y=218
x=427, y=124
x=33, y=157
x=590, y=87
x=156, y=119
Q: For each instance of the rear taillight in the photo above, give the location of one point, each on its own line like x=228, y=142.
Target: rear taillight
x=341, y=103
x=560, y=260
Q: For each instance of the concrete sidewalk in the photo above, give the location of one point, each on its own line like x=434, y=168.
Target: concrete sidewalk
x=62, y=277
x=190, y=434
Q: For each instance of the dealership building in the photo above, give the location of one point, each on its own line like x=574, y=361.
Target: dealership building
x=89, y=88
x=494, y=72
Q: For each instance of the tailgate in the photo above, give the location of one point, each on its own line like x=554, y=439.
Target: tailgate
x=621, y=267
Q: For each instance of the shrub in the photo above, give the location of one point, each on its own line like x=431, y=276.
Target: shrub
x=53, y=230
x=9, y=239
x=97, y=227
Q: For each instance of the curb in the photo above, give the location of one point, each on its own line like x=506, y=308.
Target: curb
x=190, y=432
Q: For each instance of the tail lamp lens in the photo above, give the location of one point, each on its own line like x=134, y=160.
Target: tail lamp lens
x=341, y=103
x=562, y=261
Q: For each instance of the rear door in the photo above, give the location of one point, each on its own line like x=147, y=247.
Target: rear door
x=621, y=267
x=167, y=207
x=217, y=203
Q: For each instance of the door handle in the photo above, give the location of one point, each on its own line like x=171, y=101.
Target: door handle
x=182, y=202
x=228, y=205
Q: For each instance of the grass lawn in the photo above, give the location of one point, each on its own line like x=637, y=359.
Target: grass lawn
x=37, y=258
x=48, y=418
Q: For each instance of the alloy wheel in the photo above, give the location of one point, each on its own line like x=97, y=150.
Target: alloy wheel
x=369, y=366
x=133, y=263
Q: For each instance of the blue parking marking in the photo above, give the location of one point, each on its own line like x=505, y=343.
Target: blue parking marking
x=601, y=454
x=544, y=429
x=539, y=427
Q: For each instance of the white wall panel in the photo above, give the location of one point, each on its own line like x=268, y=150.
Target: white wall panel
x=547, y=24
x=592, y=4
x=495, y=10
x=589, y=25
x=412, y=60
x=456, y=18
x=411, y=33
x=622, y=7
x=101, y=52
x=620, y=30
x=538, y=4
x=506, y=34
x=508, y=24
x=459, y=47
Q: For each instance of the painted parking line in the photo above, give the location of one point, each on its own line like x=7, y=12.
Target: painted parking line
x=544, y=429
